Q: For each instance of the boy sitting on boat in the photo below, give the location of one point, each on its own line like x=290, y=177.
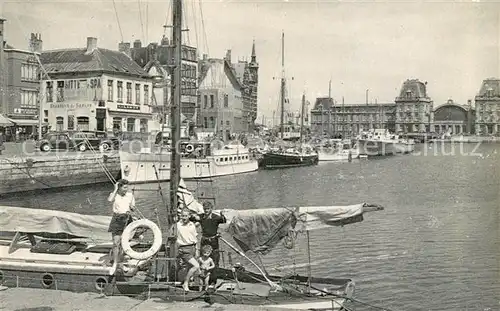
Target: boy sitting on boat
x=206, y=265
x=123, y=207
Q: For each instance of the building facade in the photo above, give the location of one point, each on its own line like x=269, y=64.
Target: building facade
x=222, y=105
x=332, y=119
x=487, y=103
x=95, y=89
x=161, y=55
x=19, y=86
x=248, y=76
x=452, y=118
x=414, y=108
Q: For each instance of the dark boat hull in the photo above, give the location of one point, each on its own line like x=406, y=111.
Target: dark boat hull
x=273, y=160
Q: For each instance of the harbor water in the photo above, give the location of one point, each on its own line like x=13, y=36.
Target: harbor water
x=435, y=246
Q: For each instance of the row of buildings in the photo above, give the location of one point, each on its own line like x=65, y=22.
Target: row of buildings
x=127, y=90
x=412, y=111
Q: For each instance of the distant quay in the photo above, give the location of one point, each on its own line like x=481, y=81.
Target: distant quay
x=468, y=139
x=22, y=173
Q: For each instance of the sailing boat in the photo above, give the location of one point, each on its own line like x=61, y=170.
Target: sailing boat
x=288, y=157
x=68, y=251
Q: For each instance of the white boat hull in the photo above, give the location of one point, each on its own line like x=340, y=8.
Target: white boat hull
x=342, y=155
x=154, y=167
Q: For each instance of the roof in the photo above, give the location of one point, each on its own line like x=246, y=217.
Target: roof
x=417, y=89
x=228, y=70
x=491, y=85
x=77, y=60
x=325, y=103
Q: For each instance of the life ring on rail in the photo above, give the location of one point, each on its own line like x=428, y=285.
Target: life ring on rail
x=189, y=148
x=128, y=233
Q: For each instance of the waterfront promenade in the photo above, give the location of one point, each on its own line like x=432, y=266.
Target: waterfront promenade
x=16, y=299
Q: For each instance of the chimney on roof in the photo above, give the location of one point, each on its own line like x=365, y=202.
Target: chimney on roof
x=91, y=45
x=36, y=42
x=137, y=44
x=124, y=47
x=228, y=56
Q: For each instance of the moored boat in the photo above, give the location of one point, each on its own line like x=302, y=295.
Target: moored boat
x=337, y=150
x=380, y=142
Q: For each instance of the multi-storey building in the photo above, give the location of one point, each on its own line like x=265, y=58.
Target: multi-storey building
x=222, y=109
x=248, y=76
x=413, y=108
x=93, y=88
x=348, y=120
x=487, y=103
x=19, y=86
x=158, y=56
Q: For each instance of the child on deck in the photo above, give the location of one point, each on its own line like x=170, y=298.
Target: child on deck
x=206, y=265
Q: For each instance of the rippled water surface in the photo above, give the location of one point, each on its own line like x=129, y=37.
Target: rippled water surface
x=435, y=246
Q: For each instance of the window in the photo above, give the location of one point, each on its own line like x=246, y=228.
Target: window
x=146, y=95
x=82, y=123
x=129, y=92
x=59, y=124
x=226, y=100
x=71, y=122
x=29, y=99
x=184, y=88
x=130, y=125
x=29, y=72
x=120, y=91
x=117, y=123
x=205, y=122
x=60, y=91
x=137, y=94
x=50, y=92
x=212, y=99
x=143, y=127
x=205, y=101
x=110, y=90
x=211, y=123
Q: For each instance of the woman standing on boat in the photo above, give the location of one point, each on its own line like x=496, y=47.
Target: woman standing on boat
x=123, y=206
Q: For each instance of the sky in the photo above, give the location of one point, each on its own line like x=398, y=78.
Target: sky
x=358, y=45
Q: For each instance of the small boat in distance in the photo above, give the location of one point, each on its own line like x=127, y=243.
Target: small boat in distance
x=380, y=142
x=337, y=150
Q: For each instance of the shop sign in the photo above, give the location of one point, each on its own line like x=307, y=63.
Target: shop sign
x=128, y=107
x=70, y=106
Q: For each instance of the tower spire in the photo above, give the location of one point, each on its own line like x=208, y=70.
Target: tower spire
x=254, y=56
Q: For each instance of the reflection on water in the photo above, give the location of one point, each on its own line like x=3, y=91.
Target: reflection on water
x=435, y=247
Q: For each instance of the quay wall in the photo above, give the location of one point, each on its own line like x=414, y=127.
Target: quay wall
x=37, y=172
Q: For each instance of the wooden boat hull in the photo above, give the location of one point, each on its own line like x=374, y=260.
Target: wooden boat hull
x=272, y=160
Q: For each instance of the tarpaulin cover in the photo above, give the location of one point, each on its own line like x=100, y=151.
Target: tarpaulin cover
x=27, y=220
x=260, y=230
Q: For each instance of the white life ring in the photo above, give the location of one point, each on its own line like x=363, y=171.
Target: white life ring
x=129, y=232
x=189, y=148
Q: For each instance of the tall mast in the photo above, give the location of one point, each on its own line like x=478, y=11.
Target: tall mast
x=282, y=128
x=175, y=161
x=302, y=118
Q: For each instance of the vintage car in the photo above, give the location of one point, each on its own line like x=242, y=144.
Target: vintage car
x=78, y=140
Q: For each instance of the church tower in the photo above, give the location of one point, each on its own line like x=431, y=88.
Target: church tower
x=252, y=86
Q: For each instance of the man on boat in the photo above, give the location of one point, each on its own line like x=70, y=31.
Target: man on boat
x=123, y=207
x=209, y=226
x=187, y=245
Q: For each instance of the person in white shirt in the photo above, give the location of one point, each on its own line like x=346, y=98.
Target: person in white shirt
x=187, y=244
x=123, y=206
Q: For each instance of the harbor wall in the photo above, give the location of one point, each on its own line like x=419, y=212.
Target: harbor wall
x=37, y=172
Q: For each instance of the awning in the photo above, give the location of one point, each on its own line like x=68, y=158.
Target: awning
x=5, y=121
x=130, y=113
x=24, y=121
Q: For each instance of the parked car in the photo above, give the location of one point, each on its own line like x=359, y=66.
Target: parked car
x=77, y=140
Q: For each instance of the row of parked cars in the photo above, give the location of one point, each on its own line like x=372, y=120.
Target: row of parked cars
x=78, y=140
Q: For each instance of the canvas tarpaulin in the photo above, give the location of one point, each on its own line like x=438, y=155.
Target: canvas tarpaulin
x=260, y=230
x=27, y=220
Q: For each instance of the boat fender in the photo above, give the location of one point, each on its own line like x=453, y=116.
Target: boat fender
x=129, y=232
x=189, y=148
x=48, y=280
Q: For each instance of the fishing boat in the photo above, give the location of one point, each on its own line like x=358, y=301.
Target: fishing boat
x=337, y=150
x=380, y=142
x=294, y=156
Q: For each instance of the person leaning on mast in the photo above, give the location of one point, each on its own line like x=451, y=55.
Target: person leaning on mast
x=123, y=207
x=187, y=243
